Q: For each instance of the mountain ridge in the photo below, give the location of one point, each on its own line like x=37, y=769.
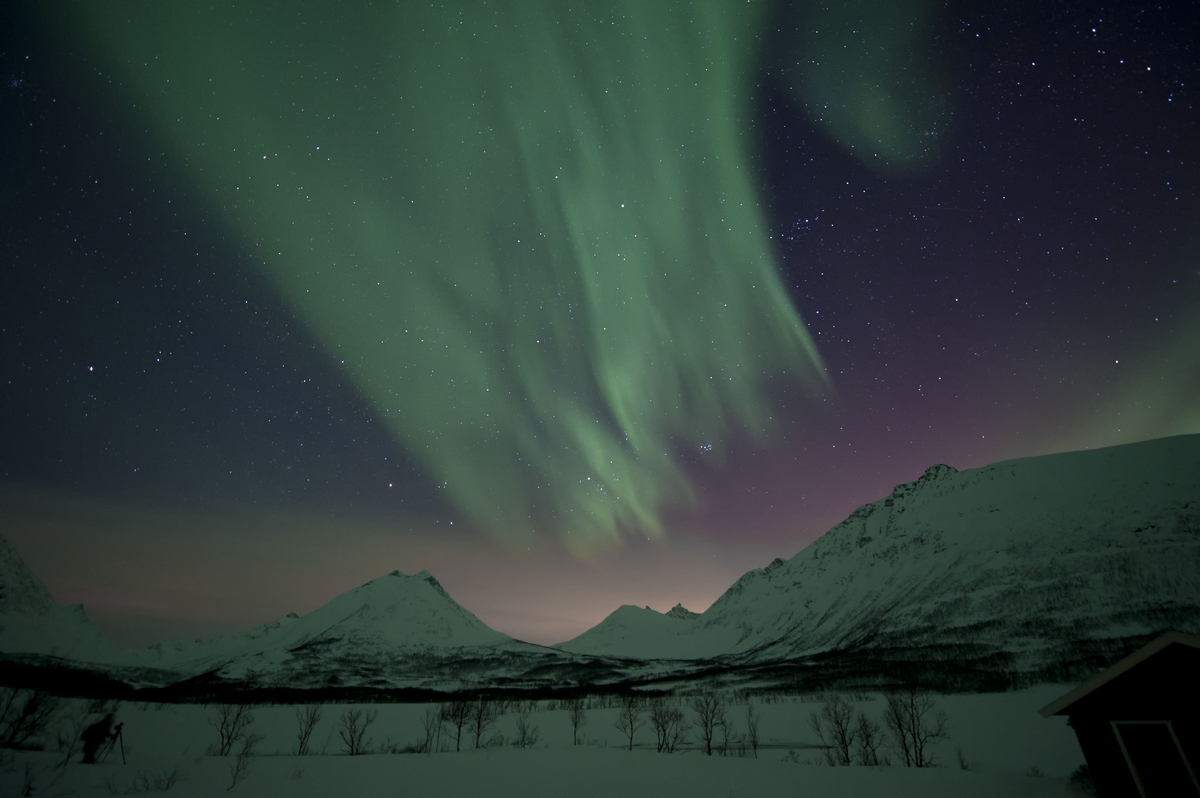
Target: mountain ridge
x=909, y=557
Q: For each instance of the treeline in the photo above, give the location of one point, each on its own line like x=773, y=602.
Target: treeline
x=867, y=666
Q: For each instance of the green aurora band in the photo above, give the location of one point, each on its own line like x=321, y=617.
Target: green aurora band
x=865, y=76
x=529, y=233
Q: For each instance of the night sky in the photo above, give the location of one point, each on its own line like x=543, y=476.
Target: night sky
x=573, y=307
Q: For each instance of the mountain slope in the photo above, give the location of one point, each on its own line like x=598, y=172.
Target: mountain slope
x=1021, y=556
x=31, y=622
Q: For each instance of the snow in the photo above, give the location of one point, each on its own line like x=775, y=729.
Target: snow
x=1001, y=735
x=584, y=773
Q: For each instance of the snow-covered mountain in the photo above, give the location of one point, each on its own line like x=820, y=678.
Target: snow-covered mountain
x=393, y=632
x=391, y=614
x=31, y=622
x=397, y=630
x=1028, y=557
x=634, y=632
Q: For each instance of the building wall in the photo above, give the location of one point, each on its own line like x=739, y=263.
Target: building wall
x=1164, y=687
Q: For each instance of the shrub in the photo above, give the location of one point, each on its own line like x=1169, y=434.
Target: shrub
x=25, y=715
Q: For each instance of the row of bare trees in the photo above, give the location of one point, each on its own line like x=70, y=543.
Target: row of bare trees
x=232, y=723
x=671, y=727
x=465, y=721
x=913, y=723
x=468, y=721
x=474, y=718
x=913, y=726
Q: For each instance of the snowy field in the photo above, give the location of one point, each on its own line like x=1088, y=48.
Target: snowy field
x=1009, y=749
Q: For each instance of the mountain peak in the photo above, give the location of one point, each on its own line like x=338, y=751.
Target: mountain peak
x=397, y=580
x=682, y=612
x=934, y=474
x=633, y=631
x=20, y=591
x=420, y=575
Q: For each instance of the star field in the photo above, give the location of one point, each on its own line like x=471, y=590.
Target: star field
x=350, y=298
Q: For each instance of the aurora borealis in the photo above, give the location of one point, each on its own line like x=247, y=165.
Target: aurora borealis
x=529, y=234
x=608, y=300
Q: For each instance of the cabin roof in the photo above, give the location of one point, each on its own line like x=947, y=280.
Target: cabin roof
x=1059, y=706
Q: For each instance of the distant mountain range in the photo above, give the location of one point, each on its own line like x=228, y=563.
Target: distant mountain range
x=393, y=633
x=1039, y=568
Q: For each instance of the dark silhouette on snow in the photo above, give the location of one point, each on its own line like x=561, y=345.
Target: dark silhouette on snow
x=95, y=736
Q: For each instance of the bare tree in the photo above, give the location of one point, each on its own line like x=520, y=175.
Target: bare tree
x=25, y=714
x=835, y=728
x=527, y=734
x=895, y=717
x=629, y=716
x=482, y=716
x=8, y=702
x=727, y=732
x=352, y=728
x=306, y=721
x=677, y=733
x=752, y=728
x=669, y=725
x=577, y=716
x=431, y=724
x=456, y=713
x=241, y=765
x=915, y=726
x=231, y=722
x=870, y=738
x=660, y=712
x=710, y=713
